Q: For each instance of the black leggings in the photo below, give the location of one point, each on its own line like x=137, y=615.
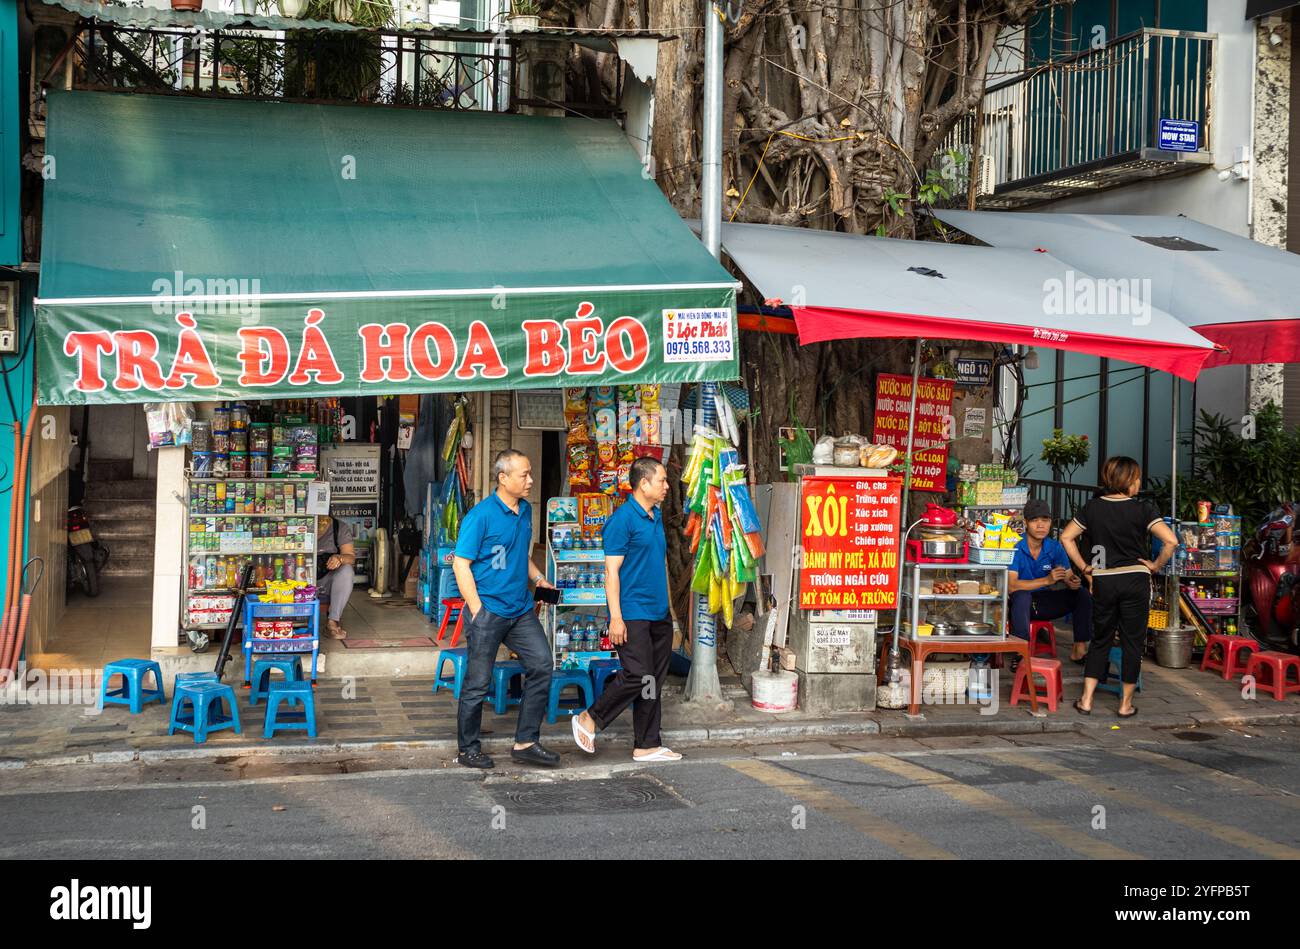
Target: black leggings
x=1119, y=601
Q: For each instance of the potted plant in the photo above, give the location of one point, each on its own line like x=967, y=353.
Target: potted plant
x=292, y=8
x=1065, y=453
x=524, y=16
x=191, y=5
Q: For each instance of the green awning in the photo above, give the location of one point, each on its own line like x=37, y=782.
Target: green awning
x=212, y=249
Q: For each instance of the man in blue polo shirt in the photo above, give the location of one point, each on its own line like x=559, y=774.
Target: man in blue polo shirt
x=636, y=593
x=493, y=567
x=1042, y=583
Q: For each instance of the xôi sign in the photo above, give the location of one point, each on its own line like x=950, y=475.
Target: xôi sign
x=849, y=542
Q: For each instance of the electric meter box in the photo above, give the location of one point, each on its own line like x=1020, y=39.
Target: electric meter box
x=8, y=317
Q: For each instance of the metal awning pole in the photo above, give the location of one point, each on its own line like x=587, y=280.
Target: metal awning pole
x=1174, y=619
x=907, y=487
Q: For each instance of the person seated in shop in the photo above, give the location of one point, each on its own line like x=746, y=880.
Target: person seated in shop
x=1043, y=584
x=336, y=559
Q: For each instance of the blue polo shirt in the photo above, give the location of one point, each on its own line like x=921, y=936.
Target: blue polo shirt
x=638, y=537
x=497, y=541
x=1051, y=555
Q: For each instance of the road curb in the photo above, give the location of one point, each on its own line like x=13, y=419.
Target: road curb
x=755, y=733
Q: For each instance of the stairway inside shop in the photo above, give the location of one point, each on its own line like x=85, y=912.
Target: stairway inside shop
x=122, y=513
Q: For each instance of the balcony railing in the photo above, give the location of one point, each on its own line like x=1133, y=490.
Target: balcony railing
x=387, y=68
x=1091, y=121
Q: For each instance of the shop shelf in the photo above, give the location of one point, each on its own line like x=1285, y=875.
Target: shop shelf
x=578, y=556
x=953, y=596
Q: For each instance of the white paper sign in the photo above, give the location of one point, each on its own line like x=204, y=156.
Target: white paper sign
x=831, y=635
x=318, y=497
x=973, y=424
x=698, y=336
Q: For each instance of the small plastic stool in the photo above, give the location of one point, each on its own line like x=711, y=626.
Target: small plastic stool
x=132, y=693
x=503, y=674
x=1115, y=662
x=206, y=712
x=562, y=679
x=1042, y=639
x=458, y=605
x=184, y=677
x=458, y=658
x=1230, y=662
x=601, y=670
x=289, y=666
x=287, y=693
x=1277, y=664
x=1050, y=670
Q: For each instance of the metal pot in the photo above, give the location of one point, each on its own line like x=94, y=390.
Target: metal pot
x=941, y=541
x=975, y=629
x=943, y=629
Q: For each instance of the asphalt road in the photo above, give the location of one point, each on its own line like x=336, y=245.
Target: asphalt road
x=1208, y=793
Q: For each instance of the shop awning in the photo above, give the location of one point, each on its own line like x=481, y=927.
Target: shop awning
x=843, y=286
x=209, y=249
x=1241, y=294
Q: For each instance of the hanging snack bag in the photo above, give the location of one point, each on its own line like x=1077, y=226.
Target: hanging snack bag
x=579, y=466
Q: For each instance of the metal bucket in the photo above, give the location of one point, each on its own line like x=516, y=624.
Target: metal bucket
x=1174, y=647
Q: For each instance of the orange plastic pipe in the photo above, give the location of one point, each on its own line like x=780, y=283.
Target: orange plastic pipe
x=13, y=596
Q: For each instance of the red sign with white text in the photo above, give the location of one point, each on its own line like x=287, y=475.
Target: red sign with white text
x=849, y=538
x=933, y=425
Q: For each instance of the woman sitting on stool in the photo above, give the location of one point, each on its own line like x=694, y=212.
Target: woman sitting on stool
x=336, y=560
x=1043, y=587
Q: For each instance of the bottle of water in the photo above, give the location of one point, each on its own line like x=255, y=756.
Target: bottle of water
x=561, y=639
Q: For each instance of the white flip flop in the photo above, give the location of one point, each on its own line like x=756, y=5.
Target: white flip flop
x=579, y=733
x=663, y=754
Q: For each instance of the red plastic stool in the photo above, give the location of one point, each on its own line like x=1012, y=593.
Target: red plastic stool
x=1230, y=662
x=1277, y=663
x=1050, y=670
x=457, y=604
x=1045, y=646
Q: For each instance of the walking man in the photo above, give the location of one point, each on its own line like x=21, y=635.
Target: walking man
x=493, y=568
x=636, y=592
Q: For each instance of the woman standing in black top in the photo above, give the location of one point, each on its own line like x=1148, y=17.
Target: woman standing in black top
x=1119, y=528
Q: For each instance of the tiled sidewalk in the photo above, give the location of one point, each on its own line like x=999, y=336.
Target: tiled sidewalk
x=388, y=710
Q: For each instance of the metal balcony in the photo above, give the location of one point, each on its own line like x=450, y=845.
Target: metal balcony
x=1081, y=125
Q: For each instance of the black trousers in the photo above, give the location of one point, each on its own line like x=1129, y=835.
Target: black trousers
x=1120, y=602
x=640, y=682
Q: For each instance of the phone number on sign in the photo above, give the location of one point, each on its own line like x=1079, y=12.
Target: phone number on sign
x=699, y=347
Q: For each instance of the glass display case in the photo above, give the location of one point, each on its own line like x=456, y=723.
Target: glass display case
x=958, y=602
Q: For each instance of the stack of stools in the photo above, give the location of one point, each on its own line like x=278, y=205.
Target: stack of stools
x=289, y=666
x=601, y=670
x=1230, y=661
x=501, y=692
x=288, y=693
x=133, y=693
x=562, y=679
x=1115, y=667
x=1049, y=670
x=1277, y=664
x=206, y=698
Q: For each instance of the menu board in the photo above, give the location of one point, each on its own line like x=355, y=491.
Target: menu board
x=849, y=542
x=934, y=427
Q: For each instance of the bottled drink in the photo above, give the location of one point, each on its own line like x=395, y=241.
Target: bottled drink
x=561, y=638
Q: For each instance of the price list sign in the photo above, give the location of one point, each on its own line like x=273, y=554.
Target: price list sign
x=849, y=543
x=933, y=428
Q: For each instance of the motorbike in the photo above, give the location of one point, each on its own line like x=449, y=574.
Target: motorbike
x=1271, y=561
x=86, y=555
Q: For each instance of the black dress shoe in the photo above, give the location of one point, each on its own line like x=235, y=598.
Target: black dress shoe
x=535, y=754
x=475, y=759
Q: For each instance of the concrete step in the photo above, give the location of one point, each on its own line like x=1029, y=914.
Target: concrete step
x=136, y=489
x=108, y=509
x=127, y=561
x=134, y=528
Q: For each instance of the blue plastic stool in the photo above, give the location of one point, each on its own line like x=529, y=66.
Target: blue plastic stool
x=207, y=714
x=503, y=673
x=289, y=693
x=459, y=658
x=1116, y=662
x=601, y=670
x=289, y=666
x=561, y=679
x=132, y=693
x=183, y=677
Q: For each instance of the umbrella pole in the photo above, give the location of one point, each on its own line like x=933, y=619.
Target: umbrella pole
x=894, y=655
x=1172, y=594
